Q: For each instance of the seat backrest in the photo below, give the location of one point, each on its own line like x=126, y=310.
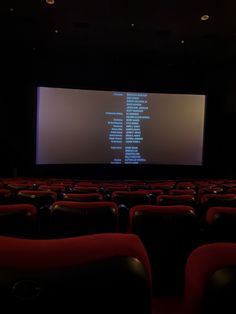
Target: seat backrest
x=18, y=220
x=85, y=189
x=182, y=192
x=70, y=218
x=5, y=196
x=221, y=224
x=185, y=185
x=212, y=200
x=163, y=185
x=125, y=200
x=210, y=190
x=166, y=200
x=37, y=198
x=106, y=273
x=210, y=281
x=169, y=234
x=132, y=198
x=83, y=197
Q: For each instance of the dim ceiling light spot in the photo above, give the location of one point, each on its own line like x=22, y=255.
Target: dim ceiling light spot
x=182, y=41
x=56, y=31
x=50, y=1
x=11, y=9
x=132, y=25
x=205, y=17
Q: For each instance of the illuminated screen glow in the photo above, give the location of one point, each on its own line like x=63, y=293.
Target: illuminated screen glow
x=108, y=127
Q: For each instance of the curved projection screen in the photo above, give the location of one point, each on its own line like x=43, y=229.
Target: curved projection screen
x=106, y=127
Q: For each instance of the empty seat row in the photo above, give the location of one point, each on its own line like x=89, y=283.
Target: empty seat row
x=124, y=198
x=62, y=219
x=69, y=218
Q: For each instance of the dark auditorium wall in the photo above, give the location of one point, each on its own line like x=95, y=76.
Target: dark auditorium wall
x=22, y=72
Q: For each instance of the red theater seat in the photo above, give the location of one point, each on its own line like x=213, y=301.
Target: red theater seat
x=125, y=200
x=166, y=200
x=5, y=196
x=106, y=273
x=18, y=220
x=83, y=197
x=42, y=200
x=70, y=218
x=169, y=234
x=164, y=185
x=210, y=190
x=108, y=189
x=210, y=285
x=131, y=198
x=38, y=198
x=185, y=185
x=85, y=189
x=182, y=192
x=212, y=200
x=221, y=224
x=59, y=189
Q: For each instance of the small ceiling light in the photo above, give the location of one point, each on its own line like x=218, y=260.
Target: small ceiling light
x=132, y=25
x=56, y=31
x=50, y=1
x=182, y=41
x=12, y=9
x=205, y=17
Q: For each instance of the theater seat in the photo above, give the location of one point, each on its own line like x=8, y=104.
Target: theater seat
x=166, y=200
x=221, y=222
x=130, y=199
x=169, y=234
x=42, y=200
x=185, y=185
x=38, y=198
x=125, y=200
x=18, y=220
x=106, y=273
x=70, y=218
x=84, y=197
x=5, y=196
x=210, y=284
x=182, y=192
x=212, y=200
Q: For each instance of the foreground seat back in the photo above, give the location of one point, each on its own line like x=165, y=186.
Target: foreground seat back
x=106, y=273
x=210, y=284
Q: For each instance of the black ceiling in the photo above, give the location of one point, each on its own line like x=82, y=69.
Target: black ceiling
x=165, y=30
